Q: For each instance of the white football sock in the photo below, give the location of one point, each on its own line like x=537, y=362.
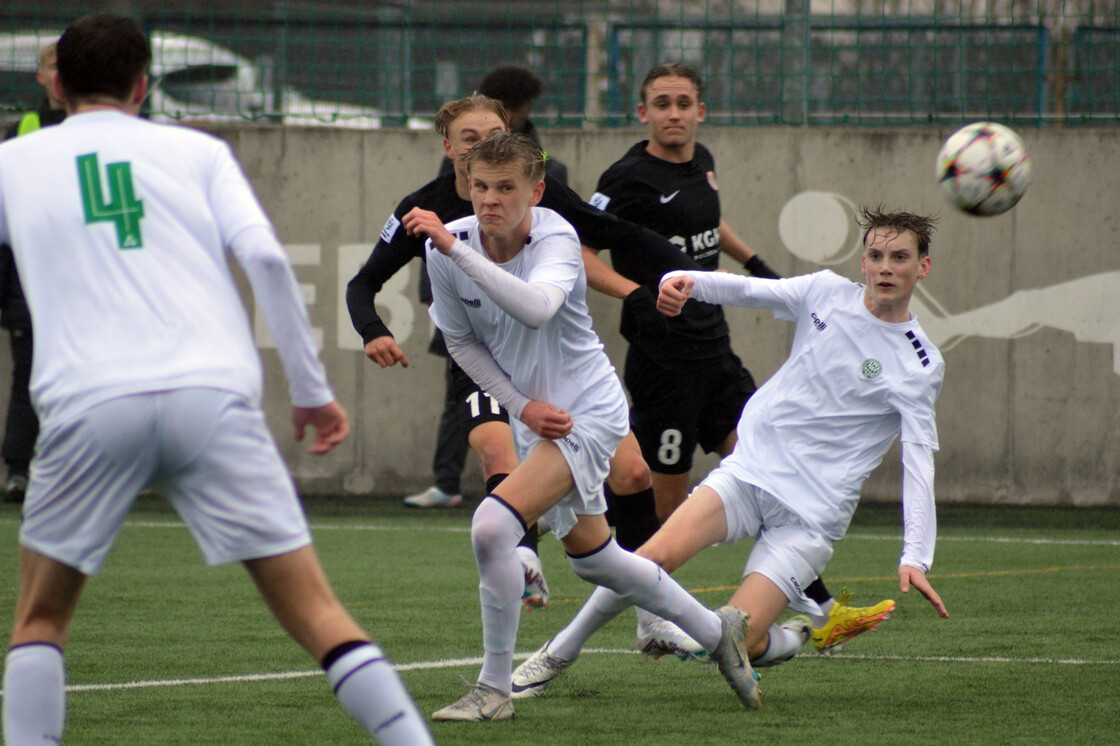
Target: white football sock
x=819, y=620
x=603, y=606
x=34, y=694
x=783, y=643
x=370, y=690
x=495, y=531
x=638, y=581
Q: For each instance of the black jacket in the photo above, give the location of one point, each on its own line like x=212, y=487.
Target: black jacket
x=13, y=306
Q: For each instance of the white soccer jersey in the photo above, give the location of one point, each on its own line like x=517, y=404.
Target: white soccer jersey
x=562, y=362
x=550, y=355
x=120, y=229
x=813, y=433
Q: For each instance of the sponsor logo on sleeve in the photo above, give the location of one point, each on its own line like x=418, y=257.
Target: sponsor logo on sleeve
x=599, y=201
x=390, y=229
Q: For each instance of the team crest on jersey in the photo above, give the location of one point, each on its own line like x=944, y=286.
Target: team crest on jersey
x=871, y=369
x=712, y=180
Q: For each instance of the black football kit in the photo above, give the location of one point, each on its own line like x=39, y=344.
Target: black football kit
x=687, y=385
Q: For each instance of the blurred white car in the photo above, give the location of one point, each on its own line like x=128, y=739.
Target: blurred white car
x=191, y=79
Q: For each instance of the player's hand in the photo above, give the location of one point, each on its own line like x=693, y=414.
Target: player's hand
x=673, y=293
x=426, y=223
x=330, y=423
x=384, y=352
x=546, y=420
x=912, y=576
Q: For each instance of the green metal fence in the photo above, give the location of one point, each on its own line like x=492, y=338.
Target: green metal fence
x=774, y=62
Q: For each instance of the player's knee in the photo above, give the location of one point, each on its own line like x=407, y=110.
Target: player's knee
x=657, y=552
x=494, y=527
x=629, y=474
x=497, y=456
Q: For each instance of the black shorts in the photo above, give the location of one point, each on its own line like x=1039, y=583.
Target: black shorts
x=673, y=411
x=475, y=406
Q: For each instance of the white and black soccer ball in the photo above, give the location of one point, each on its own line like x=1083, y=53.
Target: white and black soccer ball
x=984, y=168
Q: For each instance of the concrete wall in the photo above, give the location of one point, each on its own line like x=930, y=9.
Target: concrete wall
x=1025, y=306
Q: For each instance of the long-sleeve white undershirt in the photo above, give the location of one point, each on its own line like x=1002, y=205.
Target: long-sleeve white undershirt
x=533, y=304
x=276, y=293
x=919, y=514
x=474, y=358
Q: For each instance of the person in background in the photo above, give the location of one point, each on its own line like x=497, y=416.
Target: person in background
x=21, y=428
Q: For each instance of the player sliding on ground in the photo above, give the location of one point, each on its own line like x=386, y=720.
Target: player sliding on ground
x=861, y=373
x=509, y=294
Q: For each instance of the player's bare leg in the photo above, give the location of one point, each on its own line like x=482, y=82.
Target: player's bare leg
x=670, y=491
x=34, y=674
x=297, y=592
x=758, y=596
x=49, y=594
x=492, y=442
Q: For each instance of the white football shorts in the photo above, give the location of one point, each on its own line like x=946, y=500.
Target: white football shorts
x=208, y=452
x=786, y=551
x=588, y=449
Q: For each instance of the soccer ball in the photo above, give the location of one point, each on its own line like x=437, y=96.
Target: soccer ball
x=983, y=168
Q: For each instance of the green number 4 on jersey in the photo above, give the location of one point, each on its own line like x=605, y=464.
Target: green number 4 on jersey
x=122, y=207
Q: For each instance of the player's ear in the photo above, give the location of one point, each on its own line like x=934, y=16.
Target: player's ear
x=643, y=117
x=447, y=148
x=924, y=266
x=139, y=92
x=701, y=111
x=56, y=86
x=538, y=192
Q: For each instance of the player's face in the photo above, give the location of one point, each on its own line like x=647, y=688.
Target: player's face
x=46, y=76
x=672, y=109
x=502, y=196
x=469, y=129
x=519, y=117
x=891, y=267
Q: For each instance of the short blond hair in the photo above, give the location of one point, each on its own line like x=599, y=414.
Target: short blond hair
x=452, y=110
x=501, y=148
x=47, y=51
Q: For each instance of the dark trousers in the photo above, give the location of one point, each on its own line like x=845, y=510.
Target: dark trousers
x=22, y=426
x=451, y=441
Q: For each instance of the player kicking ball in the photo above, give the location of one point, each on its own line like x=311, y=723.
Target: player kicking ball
x=861, y=372
x=509, y=294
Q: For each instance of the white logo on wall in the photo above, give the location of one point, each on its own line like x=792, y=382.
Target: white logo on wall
x=820, y=227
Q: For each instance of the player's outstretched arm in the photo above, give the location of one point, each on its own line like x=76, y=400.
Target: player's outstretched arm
x=329, y=421
x=385, y=352
x=673, y=293
x=912, y=576
x=546, y=420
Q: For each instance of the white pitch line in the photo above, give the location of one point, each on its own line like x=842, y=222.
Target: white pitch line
x=459, y=662
x=466, y=529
